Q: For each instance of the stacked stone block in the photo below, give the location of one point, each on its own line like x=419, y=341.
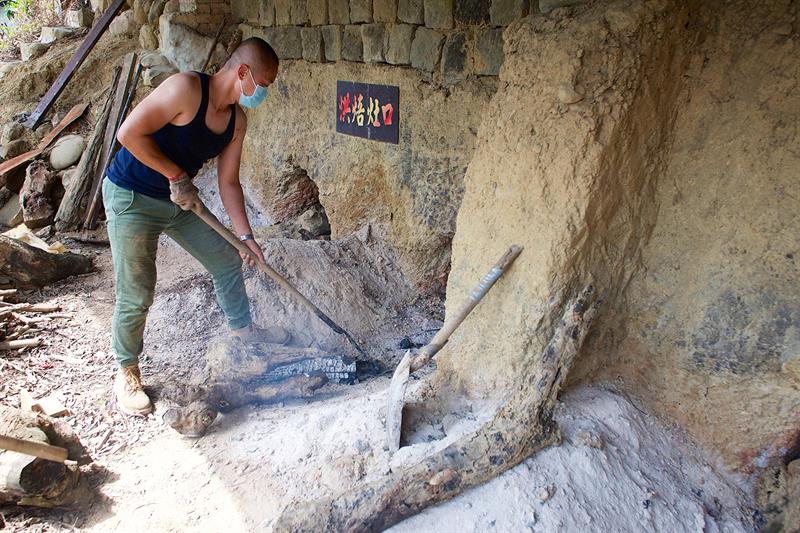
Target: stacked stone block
x=204, y=15
x=448, y=40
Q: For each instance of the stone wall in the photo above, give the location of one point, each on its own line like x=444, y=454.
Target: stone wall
x=204, y=15
x=444, y=40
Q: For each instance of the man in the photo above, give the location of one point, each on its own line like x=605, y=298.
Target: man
x=190, y=118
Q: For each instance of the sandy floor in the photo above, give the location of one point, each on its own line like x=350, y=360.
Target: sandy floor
x=616, y=470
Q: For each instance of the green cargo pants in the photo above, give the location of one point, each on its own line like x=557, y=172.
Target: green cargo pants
x=135, y=222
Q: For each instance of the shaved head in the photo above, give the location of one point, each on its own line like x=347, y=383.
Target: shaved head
x=256, y=53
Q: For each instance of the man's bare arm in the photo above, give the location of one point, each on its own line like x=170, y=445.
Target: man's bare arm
x=165, y=104
x=230, y=189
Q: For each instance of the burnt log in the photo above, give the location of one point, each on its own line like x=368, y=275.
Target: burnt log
x=199, y=405
x=521, y=427
x=36, y=196
x=30, y=267
x=229, y=360
x=29, y=480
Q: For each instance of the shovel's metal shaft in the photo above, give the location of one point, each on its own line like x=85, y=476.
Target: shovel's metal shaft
x=209, y=218
x=409, y=363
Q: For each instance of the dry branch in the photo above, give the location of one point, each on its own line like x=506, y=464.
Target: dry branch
x=17, y=344
x=523, y=426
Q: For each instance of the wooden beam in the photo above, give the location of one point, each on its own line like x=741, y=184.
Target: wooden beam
x=122, y=100
x=75, y=61
x=69, y=215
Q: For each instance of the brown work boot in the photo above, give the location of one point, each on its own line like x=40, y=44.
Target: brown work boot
x=131, y=397
x=271, y=335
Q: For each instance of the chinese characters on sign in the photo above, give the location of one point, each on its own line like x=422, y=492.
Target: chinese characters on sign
x=369, y=111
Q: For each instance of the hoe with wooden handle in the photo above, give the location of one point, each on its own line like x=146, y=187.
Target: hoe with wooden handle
x=409, y=363
x=209, y=218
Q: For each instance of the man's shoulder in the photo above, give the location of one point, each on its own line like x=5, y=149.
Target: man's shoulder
x=183, y=81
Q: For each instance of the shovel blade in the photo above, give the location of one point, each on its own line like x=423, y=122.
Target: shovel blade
x=394, y=410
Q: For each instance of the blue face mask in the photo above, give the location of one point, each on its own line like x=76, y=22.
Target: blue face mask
x=258, y=96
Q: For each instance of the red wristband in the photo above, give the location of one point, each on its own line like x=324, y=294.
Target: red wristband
x=176, y=176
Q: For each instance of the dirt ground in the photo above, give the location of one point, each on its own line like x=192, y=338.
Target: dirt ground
x=256, y=460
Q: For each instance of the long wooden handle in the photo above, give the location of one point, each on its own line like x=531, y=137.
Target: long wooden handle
x=37, y=449
x=480, y=290
x=209, y=218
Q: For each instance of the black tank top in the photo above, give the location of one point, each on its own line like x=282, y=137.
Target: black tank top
x=188, y=146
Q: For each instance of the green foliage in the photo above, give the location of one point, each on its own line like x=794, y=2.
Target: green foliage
x=23, y=19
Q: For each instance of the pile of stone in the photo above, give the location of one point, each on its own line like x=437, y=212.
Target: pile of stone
x=76, y=20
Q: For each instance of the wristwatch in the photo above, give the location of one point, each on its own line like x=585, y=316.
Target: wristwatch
x=246, y=237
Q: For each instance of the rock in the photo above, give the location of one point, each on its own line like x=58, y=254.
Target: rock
x=35, y=196
x=283, y=12
x=11, y=212
x=332, y=39
x=180, y=44
x=426, y=49
x=66, y=151
x=79, y=18
x=100, y=5
x=152, y=59
x=14, y=148
x=352, y=44
x=147, y=38
x=792, y=368
x=339, y=11
x=314, y=222
x=411, y=11
x=155, y=76
x=29, y=51
x=454, y=58
x=545, y=493
x=360, y=11
x=5, y=196
x=372, y=35
x=265, y=14
x=155, y=11
x=66, y=177
x=398, y=43
x=488, y=51
x=317, y=12
x=312, y=44
x=546, y=6
x=504, y=12
x=123, y=24
x=286, y=41
x=567, y=95
x=51, y=34
x=140, y=10
x=299, y=13
x=384, y=10
x=439, y=14
x=172, y=6
x=12, y=131
x=472, y=11
x=586, y=438
x=295, y=194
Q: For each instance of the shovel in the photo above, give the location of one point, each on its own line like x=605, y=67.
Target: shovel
x=409, y=363
x=209, y=218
